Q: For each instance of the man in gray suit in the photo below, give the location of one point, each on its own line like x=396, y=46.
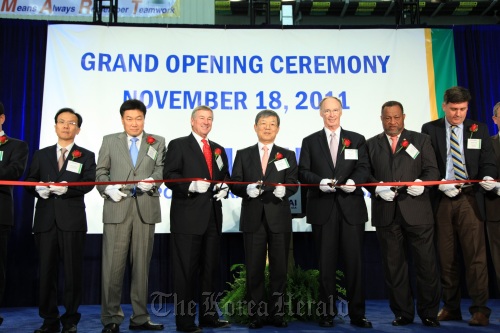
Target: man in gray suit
x=130, y=214
x=492, y=200
x=403, y=217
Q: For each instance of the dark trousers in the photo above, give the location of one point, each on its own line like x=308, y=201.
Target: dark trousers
x=459, y=224
x=4, y=242
x=334, y=237
x=257, y=245
x=54, y=246
x=494, y=242
x=196, y=258
x=395, y=241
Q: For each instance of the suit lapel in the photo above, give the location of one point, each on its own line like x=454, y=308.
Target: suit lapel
x=383, y=144
x=198, y=155
x=496, y=148
x=396, y=165
x=255, y=160
x=441, y=140
x=53, y=159
x=322, y=142
x=65, y=165
x=465, y=137
x=339, y=171
x=270, y=164
x=122, y=145
x=143, y=149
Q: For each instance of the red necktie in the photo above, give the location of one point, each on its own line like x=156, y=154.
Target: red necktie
x=208, y=155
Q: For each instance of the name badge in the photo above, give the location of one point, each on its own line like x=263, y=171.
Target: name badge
x=152, y=153
x=282, y=164
x=412, y=151
x=474, y=144
x=1, y=155
x=351, y=154
x=219, y=162
x=74, y=167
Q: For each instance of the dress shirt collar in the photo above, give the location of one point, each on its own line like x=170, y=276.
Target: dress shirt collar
x=269, y=145
x=68, y=147
x=329, y=133
x=461, y=126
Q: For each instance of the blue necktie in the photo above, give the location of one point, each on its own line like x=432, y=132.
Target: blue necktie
x=133, y=150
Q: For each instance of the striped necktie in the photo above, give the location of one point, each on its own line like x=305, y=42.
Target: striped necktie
x=456, y=156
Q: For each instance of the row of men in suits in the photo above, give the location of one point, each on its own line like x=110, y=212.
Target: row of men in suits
x=329, y=157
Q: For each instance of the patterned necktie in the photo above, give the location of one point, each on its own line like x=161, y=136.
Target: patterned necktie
x=62, y=158
x=394, y=140
x=133, y=150
x=334, y=146
x=208, y=155
x=456, y=155
x=265, y=159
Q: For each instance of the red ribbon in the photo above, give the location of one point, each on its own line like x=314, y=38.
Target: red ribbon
x=186, y=180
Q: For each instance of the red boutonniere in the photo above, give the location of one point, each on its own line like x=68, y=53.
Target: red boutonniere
x=346, y=143
x=76, y=154
x=217, y=153
x=3, y=139
x=404, y=144
x=150, y=140
x=473, y=129
x=277, y=157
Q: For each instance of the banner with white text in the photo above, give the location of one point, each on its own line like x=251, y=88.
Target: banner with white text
x=238, y=72
x=125, y=8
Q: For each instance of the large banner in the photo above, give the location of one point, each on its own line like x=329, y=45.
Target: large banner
x=125, y=8
x=237, y=73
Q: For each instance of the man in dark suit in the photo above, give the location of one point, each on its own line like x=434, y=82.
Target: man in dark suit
x=492, y=201
x=196, y=220
x=60, y=222
x=337, y=213
x=13, y=157
x=403, y=216
x=266, y=218
x=130, y=214
x=463, y=151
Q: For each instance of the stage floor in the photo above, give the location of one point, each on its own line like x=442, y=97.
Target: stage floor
x=24, y=320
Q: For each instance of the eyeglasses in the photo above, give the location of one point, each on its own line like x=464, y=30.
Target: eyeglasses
x=69, y=123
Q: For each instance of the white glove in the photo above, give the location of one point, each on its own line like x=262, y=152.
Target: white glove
x=252, y=190
x=199, y=186
x=385, y=192
x=145, y=187
x=323, y=186
x=415, y=190
x=221, y=190
x=349, y=186
x=497, y=189
x=43, y=191
x=279, y=191
x=113, y=191
x=488, y=183
x=57, y=189
x=449, y=189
